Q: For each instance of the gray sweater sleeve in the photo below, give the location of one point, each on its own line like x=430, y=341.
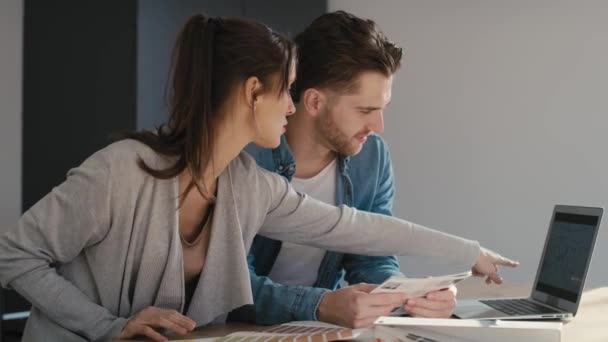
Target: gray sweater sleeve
x=54, y=231
x=298, y=218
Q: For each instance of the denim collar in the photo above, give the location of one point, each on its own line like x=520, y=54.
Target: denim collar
x=286, y=163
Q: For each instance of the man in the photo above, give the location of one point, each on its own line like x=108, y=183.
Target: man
x=344, y=79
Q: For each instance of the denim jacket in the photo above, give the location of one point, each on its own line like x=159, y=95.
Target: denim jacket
x=364, y=181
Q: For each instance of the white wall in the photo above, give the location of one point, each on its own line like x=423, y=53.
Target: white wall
x=500, y=112
x=11, y=37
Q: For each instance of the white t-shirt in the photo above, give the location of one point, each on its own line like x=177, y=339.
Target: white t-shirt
x=299, y=264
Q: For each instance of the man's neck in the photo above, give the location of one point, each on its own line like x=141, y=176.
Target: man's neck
x=310, y=154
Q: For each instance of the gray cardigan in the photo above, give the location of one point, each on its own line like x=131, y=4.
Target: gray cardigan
x=104, y=244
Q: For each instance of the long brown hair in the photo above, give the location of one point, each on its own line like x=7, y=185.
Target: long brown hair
x=210, y=56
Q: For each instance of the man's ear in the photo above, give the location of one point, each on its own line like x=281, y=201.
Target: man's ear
x=252, y=87
x=313, y=100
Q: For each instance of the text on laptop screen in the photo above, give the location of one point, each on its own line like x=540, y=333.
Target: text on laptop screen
x=570, y=243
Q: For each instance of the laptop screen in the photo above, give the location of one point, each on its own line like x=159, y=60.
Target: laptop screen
x=566, y=255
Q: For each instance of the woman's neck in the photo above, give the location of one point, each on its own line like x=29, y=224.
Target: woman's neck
x=229, y=141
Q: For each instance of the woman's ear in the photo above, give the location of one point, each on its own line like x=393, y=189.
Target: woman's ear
x=313, y=101
x=253, y=87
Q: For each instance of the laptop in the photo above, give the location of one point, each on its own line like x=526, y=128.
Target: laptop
x=561, y=273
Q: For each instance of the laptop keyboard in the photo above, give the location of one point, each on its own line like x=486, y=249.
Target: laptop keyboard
x=517, y=306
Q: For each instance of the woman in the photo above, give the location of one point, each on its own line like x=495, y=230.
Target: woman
x=153, y=231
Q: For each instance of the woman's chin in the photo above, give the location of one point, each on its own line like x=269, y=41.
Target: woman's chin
x=268, y=143
x=275, y=144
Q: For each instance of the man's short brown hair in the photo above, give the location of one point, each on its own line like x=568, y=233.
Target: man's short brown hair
x=336, y=47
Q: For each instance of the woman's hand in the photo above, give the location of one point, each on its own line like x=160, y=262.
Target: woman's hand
x=487, y=265
x=145, y=321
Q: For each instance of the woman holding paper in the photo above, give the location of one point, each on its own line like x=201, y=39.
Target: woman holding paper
x=153, y=231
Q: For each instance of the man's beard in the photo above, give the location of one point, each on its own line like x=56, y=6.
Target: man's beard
x=332, y=135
